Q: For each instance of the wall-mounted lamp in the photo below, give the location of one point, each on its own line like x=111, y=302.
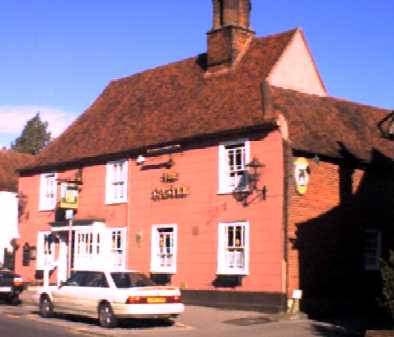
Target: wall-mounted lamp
x=252, y=176
x=140, y=160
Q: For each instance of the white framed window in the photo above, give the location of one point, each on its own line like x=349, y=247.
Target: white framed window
x=233, y=248
x=118, y=247
x=164, y=249
x=233, y=157
x=48, y=191
x=372, y=249
x=45, y=251
x=87, y=249
x=116, y=182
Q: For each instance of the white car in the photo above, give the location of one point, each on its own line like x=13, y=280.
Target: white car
x=109, y=296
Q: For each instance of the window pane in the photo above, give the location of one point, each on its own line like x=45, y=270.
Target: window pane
x=128, y=280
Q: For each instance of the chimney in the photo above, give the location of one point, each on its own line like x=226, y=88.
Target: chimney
x=230, y=35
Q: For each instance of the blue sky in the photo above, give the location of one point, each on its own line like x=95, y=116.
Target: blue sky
x=56, y=56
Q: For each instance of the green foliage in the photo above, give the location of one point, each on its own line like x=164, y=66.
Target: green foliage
x=34, y=136
x=387, y=271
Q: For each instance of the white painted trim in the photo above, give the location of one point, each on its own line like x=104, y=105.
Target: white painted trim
x=42, y=260
x=44, y=203
x=110, y=199
x=223, y=185
x=154, y=268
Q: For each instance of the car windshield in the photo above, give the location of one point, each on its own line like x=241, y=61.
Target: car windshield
x=130, y=279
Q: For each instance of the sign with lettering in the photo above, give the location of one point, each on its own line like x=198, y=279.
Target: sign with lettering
x=170, y=191
x=69, y=195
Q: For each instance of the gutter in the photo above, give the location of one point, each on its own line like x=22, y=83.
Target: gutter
x=267, y=125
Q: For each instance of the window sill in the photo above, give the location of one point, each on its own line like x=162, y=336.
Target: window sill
x=233, y=273
x=117, y=202
x=156, y=271
x=224, y=192
x=229, y=192
x=46, y=209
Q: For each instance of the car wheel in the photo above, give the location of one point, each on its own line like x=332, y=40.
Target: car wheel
x=46, y=307
x=106, y=316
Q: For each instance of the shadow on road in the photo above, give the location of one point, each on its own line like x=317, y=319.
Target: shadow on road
x=123, y=323
x=326, y=330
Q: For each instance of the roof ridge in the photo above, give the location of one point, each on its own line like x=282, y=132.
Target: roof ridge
x=292, y=31
x=190, y=58
x=332, y=98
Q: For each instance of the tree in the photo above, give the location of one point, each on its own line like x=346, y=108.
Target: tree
x=34, y=136
x=387, y=272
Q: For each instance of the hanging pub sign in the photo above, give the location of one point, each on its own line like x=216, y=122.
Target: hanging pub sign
x=69, y=195
x=170, y=191
x=301, y=174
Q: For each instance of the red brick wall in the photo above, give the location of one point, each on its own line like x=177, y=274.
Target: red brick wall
x=197, y=216
x=326, y=227
x=320, y=206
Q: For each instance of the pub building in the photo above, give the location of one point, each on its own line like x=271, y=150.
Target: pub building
x=232, y=174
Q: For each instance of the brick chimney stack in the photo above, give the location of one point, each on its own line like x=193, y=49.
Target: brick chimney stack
x=230, y=35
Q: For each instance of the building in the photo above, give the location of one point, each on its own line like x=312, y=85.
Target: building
x=231, y=174
x=9, y=162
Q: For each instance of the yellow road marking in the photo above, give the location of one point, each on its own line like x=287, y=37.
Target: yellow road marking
x=13, y=316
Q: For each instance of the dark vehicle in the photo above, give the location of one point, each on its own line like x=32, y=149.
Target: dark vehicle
x=11, y=285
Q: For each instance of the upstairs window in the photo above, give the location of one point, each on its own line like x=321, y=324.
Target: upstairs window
x=233, y=157
x=372, y=249
x=233, y=248
x=164, y=247
x=48, y=191
x=116, y=182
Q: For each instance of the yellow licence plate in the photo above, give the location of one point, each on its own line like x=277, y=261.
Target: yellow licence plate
x=156, y=300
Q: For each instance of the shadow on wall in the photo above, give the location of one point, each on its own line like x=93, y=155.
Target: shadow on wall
x=331, y=247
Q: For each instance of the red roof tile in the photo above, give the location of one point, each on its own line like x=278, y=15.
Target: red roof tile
x=328, y=126
x=10, y=161
x=179, y=101
x=170, y=102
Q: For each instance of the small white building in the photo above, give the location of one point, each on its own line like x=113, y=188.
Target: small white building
x=8, y=223
x=10, y=161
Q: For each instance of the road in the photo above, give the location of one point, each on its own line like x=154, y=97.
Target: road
x=23, y=321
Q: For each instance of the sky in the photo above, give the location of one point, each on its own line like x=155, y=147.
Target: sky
x=57, y=56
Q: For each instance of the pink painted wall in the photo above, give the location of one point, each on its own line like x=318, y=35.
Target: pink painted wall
x=197, y=215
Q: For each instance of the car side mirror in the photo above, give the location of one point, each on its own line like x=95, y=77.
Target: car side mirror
x=62, y=284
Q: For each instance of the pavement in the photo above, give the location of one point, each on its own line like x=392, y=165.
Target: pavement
x=203, y=321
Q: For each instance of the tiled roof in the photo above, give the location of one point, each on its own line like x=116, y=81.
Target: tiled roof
x=179, y=101
x=10, y=161
x=330, y=126
x=170, y=102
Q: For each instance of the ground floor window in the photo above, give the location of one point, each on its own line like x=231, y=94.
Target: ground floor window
x=372, y=249
x=95, y=248
x=86, y=248
x=118, y=247
x=233, y=248
x=164, y=247
x=45, y=251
